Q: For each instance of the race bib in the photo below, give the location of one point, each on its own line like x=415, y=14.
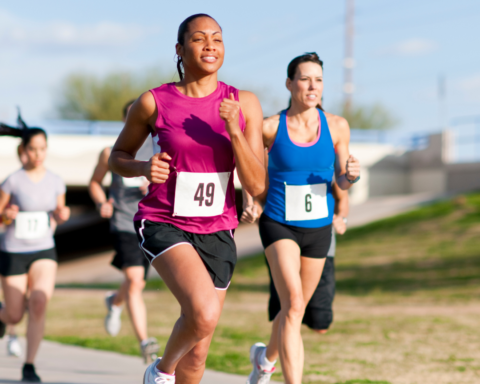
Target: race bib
x=306, y=202
x=32, y=225
x=200, y=194
x=134, y=182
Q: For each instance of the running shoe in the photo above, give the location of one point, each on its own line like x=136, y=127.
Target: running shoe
x=258, y=374
x=153, y=376
x=113, y=320
x=149, y=349
x=3, y=326
x=13, y=346
x=29, y=375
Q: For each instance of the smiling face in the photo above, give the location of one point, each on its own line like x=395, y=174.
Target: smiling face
x=307, y=85
x=35, y=151
x=203, y=50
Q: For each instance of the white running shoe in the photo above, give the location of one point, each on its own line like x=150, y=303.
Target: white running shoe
x=13, y=346
x=258, y=374
x=153, y=376
x=149, y=349
x=113, y=321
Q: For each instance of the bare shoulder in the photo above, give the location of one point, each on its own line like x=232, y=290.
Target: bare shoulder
x=145, y=104
x=337, y=122
x=248, y=100
x=271, y=123
x=270, y=128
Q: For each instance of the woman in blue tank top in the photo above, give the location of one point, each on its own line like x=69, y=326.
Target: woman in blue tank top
x=306, y=147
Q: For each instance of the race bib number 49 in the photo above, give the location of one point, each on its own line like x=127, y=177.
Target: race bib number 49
x=32, y=225
x=200, y=194
x=306, y=202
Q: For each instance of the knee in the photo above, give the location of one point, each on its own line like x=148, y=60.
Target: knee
x=37, y=305
x=14, y=316
x=296, y=308
x=205, y=320
x=135, y=286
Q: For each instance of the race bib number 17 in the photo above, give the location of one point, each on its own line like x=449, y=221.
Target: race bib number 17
x=32, y=225
x=306, y=202
x=200, y=194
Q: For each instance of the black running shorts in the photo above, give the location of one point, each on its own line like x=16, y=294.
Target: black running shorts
x=318, y=313
x=20, y=263
x=313, y=242
x=128, y=252
x=217, y=250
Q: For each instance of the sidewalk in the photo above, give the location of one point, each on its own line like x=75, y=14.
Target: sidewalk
x=62, y=364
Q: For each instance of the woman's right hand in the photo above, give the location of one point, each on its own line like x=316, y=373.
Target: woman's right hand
x=106, y=209
x=251, y=213
x=157, y=169
x=10, y=212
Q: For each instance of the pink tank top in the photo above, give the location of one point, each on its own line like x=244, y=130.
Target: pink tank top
x=199, y=195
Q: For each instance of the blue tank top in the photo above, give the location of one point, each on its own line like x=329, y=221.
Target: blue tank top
x=300, y=178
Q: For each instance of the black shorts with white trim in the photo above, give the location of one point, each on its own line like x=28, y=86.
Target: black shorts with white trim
x=217, y=250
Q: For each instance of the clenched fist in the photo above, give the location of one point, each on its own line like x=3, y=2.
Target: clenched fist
x=10, y=213
x=61, y=214
x=230, y=112
x=157, y=169
x=106, y=209
x=353, y=168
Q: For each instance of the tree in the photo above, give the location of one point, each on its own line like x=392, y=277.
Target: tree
x=88, y=97
x=368, y=117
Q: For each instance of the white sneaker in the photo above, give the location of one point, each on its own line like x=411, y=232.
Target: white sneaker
x=13, y=346
x=258, y=374
x=153, y=376
x=149, y=348
x=113, y=321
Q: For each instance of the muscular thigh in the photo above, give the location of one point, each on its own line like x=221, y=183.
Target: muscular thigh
x=184, y=273
x=311, y=273
x=14, y=289
x=284, y=260
x=41, y=277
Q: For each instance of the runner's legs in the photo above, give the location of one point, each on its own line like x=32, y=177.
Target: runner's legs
x=295, y=278
x=14, y=291
x=131, y=292
x=184, y=273
x=191, y=367
x=41, y=283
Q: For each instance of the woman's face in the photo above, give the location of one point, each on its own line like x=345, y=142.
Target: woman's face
x=203, y=50
x=307, y=85
x=36, y=151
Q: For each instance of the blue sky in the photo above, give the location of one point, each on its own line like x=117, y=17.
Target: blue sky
x=400, y=49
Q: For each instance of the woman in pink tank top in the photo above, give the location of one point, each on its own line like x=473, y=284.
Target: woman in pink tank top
x=185, y=224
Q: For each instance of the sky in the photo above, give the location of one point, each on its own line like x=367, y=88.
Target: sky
x=400, y=49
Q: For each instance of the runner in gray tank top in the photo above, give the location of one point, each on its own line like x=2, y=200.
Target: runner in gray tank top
x=121, y=206
x=32, y=203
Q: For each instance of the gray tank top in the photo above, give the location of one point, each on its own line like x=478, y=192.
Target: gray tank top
x=126, y=193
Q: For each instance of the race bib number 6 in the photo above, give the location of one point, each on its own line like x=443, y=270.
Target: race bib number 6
x=200, y=194
x=32, y=225
x=306, y=202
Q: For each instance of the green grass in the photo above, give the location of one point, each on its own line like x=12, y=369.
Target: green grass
x=408, y=293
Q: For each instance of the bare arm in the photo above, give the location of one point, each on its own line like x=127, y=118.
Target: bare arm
x=247, y=146
x=341, y=209
x=95, y=186
x=140, y=120
x=8, y=212
x=346, y=165
x=62, y=212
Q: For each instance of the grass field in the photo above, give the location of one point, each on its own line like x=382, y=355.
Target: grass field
x=407, y=308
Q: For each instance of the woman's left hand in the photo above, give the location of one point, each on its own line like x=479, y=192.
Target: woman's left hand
x=61, y=214
x=353, y=168
x=230, y=112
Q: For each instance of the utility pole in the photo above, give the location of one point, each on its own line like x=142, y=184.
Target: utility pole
x=442, y=102
x=348, y=62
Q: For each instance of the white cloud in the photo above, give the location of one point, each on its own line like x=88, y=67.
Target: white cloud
x=412, y=47
x=18, y=33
